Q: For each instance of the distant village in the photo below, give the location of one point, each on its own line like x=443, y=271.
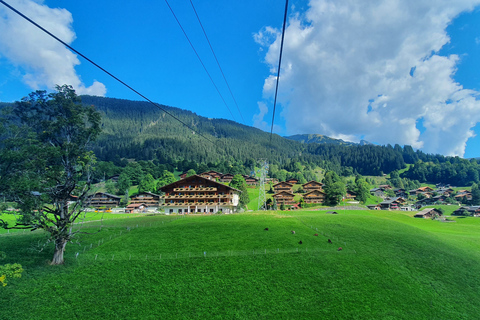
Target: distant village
x=209, y=192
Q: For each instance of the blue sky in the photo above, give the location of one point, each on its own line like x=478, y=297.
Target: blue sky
x=385, y=71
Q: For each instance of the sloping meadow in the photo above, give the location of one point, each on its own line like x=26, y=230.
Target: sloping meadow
x=228, y=266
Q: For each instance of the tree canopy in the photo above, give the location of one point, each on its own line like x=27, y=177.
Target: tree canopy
x=46, y=161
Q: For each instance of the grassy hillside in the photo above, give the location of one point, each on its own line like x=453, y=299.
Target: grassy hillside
x=392, y=266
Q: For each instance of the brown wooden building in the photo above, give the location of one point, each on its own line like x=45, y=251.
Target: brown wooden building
x=312, y=185
x=147, y=198
x=314, y=196
x=251, y=181
x=227, y=177
x=282, y=186
x=285, y=197
x=136, y=208
x=103, y=200
x=214, y=174
x=197, y=194
x=292, y=181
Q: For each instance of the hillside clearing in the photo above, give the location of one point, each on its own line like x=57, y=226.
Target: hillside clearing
x=227, y=266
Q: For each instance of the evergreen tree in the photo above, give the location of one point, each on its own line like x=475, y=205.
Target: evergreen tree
x=362, y=189
x=334, y=188
x=475, y=195
x=166, y=178
x=238, y=182
x=147, y=184
x=124, y=183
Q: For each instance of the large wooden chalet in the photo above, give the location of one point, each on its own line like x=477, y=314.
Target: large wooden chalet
x=197, y=194
x=284, y=197
x=314, y=196
x=147, y=198
x=312, y=185
x=282, y=186
x=103, y=200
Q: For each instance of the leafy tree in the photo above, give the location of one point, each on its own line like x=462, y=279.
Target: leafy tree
x=334, y=188
x=191, y=172
x=124, y=183
x=475, y=195
x=166, y=178
x=134, y=172
x=238, y=182
x=147, y=184
x=110, y=187
x=362, y=189
x=53, y=133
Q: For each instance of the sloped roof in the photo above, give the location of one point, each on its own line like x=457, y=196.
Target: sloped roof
x=186, y=180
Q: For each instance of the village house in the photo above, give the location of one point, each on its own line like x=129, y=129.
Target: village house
x=390, y=205
x=314, y=196
x=196, y=194
x=282, y=186
x=428, y=213
x=312, y=185
x=350, y=195
x=399, y=192
x=471, y=211
x=292, y=181
x=227, y=177
x=136, y=208
x=378, y=192
x=284, y=197
x=103, y=200
x=251, y=181
x=374, y=207
x=214, y=174
x=147, y=198
x=206, y=176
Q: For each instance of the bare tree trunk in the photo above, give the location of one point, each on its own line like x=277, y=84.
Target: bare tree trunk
x=60, y=244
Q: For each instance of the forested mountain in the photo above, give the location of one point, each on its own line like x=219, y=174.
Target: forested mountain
x=136, y=130
x=319, y=138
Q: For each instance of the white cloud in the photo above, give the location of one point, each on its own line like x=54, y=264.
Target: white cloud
x=44, y=61
x=259, y=122
x=370, y=70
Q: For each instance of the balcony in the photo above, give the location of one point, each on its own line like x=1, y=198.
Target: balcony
x=185, y=189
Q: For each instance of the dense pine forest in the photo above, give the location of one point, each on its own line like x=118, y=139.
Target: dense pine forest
x=138, y=131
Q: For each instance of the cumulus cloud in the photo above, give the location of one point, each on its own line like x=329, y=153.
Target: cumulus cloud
x=371, y=70
x=44, y=61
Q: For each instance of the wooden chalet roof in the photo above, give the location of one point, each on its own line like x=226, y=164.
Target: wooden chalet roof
x=106, y=194
x=312, y=182
x=194, y=177
x=213, y=173
x=427, y=211
x=284, y=192
x=313, y=192
x=283, y=182
x=149, y=193
x=424, y=189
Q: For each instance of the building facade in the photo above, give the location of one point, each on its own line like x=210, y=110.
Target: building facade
x=103, y=200
x=197, y=194
x=147, y=198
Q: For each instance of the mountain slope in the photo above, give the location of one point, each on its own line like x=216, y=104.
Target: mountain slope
x=321, y=139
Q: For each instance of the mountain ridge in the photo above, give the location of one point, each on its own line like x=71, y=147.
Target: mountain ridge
x=322, y=139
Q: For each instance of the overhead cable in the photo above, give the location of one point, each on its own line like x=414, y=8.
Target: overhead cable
x=218, y=63
x=279, y=66
x=203, y=65
x=99, y=67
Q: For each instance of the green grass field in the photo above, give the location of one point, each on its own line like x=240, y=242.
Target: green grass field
x=392, y=266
